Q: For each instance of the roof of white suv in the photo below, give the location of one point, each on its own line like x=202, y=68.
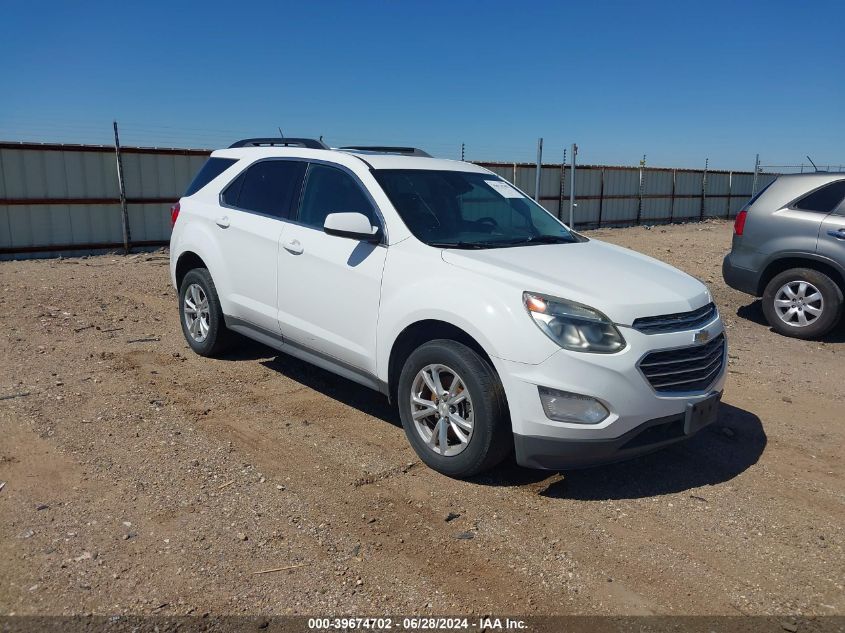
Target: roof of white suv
x=373, y=159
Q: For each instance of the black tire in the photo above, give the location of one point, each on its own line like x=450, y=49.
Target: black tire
x=492, y=437
x=218, y=337
x=831, y=304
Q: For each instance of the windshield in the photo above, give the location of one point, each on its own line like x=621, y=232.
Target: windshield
x=454, y=209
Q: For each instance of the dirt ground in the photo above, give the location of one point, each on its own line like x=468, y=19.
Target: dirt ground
x=140, y=478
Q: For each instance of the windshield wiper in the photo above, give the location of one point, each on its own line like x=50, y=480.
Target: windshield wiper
x=517, y=241
x=537, y=239
x=467, y=245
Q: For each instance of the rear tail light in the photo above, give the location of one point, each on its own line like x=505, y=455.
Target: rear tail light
x=174, y=213
x=739, y=223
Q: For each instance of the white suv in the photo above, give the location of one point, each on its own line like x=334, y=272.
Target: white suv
x=491, y=325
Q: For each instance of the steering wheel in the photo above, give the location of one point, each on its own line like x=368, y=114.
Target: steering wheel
x=491, y=222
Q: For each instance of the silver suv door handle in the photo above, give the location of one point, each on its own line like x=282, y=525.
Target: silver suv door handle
x=222, y=222
x=839, y=235
x=294, y=246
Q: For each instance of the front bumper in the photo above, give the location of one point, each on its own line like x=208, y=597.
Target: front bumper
x=640, y=420
x=553, y=454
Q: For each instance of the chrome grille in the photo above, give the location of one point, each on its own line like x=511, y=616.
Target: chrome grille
x=677, y=322
x=685, y=369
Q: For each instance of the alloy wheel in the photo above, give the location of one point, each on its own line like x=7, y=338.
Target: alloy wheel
x=798, y=303
x=442, y=411
x=197, y=313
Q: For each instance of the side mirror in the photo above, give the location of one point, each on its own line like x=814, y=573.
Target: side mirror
x=355, y=226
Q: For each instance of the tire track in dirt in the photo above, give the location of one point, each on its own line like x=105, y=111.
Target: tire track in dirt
x=323, y=442
x=745, y=518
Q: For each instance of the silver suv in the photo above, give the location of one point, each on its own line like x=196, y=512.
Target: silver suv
x=789, y=248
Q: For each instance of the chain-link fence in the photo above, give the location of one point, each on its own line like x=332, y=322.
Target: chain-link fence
x=803, y=168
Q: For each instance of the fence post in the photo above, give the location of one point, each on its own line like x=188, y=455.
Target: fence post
x=601, y=195
x=572, y=188
x=125, y=212
x=562, y=181
x=756, y=171
x=513, y=180
x=642, y=187
x=539, y=170
x=730, y=191
x=703, y=189
x=672, y=207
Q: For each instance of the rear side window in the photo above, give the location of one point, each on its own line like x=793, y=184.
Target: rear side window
x=330, y=190
x=213, y=167
x=823, y=200
x=270, y=187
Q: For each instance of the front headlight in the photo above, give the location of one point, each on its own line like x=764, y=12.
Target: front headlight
x=573, y=326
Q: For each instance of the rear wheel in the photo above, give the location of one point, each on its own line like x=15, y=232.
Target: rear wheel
x=200, y=314
x=802, y=303
x=453, y=409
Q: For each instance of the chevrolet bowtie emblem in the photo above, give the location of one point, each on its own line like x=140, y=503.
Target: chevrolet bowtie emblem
x=702, y=336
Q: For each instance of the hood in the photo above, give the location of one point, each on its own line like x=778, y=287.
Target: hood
x=619, y=282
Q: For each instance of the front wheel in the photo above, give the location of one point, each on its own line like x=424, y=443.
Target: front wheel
x=802, y=303
x=453, y=409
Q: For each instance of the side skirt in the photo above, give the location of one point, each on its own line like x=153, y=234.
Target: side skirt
x=324, y=361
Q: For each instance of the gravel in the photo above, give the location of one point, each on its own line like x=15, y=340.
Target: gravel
x=111, y=422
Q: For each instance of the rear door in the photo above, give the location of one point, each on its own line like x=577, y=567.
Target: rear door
x=796, y=227
x=330, y=286
x=252, y=214
x=832, y=233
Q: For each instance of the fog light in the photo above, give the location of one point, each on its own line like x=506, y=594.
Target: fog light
x=571, y=407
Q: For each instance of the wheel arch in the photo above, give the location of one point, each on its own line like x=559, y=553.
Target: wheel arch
x=419, y=333
x=187, y=261
x=801, y=260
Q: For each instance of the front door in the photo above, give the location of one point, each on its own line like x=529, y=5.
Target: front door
x=330, y=286
x=832, y=233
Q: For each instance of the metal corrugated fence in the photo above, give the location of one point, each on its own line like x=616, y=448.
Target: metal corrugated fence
x=65, y=198
x=57, y=199
x=617, y=196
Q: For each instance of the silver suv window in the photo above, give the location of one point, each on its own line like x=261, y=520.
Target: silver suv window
x=823, y=200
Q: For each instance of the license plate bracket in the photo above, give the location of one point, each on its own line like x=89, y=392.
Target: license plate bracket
x=701, y=414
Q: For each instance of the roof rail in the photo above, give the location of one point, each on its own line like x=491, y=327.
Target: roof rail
x=382, y=149
x=283, y=142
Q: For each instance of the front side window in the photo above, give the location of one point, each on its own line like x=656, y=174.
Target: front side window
x=330, y=190
x=468, y=210
x=823, y=200
x=270, y=187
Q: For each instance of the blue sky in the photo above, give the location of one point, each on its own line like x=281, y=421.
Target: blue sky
x=678, y=81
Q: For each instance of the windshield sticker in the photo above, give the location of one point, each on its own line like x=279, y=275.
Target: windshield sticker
x=504, y=189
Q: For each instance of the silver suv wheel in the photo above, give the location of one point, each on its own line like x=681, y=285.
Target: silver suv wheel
x=441, y=408
x=798, y=303
x=196, y=311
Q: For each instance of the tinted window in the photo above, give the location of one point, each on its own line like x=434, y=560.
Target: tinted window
x=233, y=191
x=213, y=167
x=330, y=190
x=270, y=186
x=823, y=200
x=468, y=210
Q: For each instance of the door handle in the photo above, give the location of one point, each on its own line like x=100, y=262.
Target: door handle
x=293, y=246
x=839, y=235
x=222, y=222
